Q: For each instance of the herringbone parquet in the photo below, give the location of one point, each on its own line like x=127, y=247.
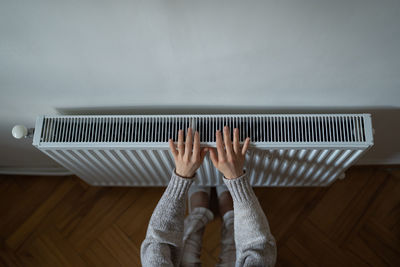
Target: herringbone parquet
x=61, y=221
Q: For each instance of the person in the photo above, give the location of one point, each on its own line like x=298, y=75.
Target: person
x=172, y=240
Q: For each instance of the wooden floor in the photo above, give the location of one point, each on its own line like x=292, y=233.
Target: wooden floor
x=57, y=221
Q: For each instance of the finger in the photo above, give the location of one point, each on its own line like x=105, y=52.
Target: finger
x=181, y=145
x=196, y=146
x=246, y=145
x=228, y=142
x=188, y=144
x=173, y=148
x=236, y=145
x=220, y=146
x=213, y=156
x=203, y=153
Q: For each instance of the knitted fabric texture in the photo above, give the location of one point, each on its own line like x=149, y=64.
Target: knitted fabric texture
x=255, y=245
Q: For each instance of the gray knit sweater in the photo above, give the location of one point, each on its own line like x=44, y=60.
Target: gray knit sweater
x=255, y=245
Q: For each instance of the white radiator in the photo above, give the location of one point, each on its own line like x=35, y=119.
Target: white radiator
x=285, y=150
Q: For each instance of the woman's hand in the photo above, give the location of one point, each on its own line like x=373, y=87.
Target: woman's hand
x=231, y=160
x=186, y=160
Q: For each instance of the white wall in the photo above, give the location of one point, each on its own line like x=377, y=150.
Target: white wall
x=303, y=54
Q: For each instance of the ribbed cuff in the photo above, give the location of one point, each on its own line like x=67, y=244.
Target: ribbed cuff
x=240, y=188
x=178, y=186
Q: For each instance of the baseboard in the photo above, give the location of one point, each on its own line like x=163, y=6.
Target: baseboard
x=372, y=161
x=53, y=171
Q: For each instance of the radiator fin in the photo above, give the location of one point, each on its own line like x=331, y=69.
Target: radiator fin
x=156, y=129
x=280, y=167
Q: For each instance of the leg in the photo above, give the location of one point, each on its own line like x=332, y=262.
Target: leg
x=225, y=203
x=195, y=222
x=199, y=199
x=227, y=256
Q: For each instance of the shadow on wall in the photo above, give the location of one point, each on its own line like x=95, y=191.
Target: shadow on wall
x=385, y=121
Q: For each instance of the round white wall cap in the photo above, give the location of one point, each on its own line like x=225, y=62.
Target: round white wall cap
x=19, y=131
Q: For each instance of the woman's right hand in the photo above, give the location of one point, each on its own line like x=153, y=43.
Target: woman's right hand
x=229, y=161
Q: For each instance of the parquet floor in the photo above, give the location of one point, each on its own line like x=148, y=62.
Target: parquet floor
x=61, y=221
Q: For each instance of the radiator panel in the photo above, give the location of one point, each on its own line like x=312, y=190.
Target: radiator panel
x=286, y=150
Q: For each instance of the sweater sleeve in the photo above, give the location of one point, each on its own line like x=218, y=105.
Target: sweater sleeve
x=163, y=243
x=255, y=245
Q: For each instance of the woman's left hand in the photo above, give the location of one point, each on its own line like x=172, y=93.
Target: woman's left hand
x=188, y=157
